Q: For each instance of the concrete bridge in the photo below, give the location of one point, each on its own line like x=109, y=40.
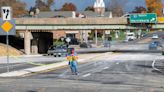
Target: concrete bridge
x=70, y=23
x=28, y=25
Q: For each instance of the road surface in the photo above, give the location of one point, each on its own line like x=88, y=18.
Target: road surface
x=118, y=72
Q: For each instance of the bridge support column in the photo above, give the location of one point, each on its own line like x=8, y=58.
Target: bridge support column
x=86, y=36
x=96, y=37
x=103, y=36
x=27, y=42
x=81, y=36
x=34, y=46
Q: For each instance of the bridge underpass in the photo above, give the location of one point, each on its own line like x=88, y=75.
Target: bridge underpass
x=53, y=24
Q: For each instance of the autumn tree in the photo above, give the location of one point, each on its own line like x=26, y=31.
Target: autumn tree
x=139, y=9
x=68, y=7
x=117, y=7
x=154, y=6
x=44, y=5
x=17, y=6
x=89, y=8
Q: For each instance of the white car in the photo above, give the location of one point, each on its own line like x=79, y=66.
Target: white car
x=155, y=36
x=130, y=36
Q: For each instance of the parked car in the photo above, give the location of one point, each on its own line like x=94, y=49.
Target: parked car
x=85, y=45
x=58, y=51
x=51, y=50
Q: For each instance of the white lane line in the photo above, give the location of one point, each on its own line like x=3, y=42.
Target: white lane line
x=86, y=75
x=105, y=68
x=63, y=74
x=117, y=63
x=153, y=66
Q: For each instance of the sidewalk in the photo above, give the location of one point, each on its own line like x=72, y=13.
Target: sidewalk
x=83, y=58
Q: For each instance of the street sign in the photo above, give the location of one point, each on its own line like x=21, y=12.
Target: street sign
x=143, y=18
x=160, y=19
x=68, y=40
x=6, y=13
x=7, y=27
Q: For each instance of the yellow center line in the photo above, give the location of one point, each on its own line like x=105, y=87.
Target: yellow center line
x=28, y=62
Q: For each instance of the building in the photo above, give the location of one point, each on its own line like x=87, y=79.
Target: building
x=74, y=34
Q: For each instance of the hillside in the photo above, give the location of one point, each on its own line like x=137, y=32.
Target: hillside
x=12, y=51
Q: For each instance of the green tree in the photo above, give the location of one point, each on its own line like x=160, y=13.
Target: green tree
x=117, y=7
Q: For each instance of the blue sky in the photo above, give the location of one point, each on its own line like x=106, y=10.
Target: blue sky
x=81, y=4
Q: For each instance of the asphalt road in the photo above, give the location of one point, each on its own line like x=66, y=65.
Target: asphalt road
x=18, y=63
x=120, y=72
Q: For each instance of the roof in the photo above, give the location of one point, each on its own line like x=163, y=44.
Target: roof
x=52, y=14
x=69, y=14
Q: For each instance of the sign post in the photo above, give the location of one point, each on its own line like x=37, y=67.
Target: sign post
x=6, y=17
x=7, y=41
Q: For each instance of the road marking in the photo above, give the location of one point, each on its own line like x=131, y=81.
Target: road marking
x=153, y=66
x=86, y=75
x=117, y=63
x=64, y=73
x=28, y=62
x=105, y=68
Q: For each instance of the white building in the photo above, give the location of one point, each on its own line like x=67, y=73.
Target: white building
x=99, y=7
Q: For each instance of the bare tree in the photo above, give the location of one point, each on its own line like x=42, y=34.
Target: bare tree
x=139, y=9
x=68, y=7
x=44, y=5
x=117, y=7
x=17, y=6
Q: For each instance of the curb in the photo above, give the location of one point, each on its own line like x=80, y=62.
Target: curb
x=24, y=72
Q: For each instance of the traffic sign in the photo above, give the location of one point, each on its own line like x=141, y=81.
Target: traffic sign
x=7, y=27
x=160, y=19
x=143, y=18
x=68, y=40
x=6, y=13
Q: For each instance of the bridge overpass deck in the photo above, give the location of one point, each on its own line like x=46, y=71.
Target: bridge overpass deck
x=70, y=21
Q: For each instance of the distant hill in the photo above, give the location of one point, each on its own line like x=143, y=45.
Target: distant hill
x=12, y=51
